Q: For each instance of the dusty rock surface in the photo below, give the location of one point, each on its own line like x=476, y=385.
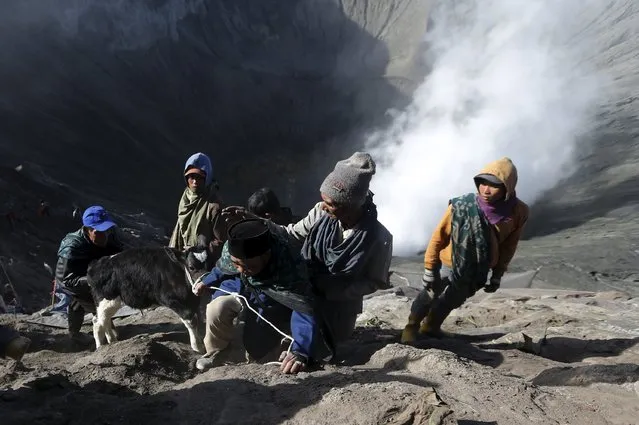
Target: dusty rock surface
x=519, y=356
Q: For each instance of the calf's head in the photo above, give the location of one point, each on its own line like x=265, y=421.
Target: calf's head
x=197, y=261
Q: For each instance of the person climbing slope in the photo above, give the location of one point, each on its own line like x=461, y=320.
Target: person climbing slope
x=479, y=233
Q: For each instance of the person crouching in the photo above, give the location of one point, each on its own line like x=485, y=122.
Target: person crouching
x=273, y=278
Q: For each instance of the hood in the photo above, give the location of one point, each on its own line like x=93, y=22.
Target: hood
x=505, y=171
x=201, y=162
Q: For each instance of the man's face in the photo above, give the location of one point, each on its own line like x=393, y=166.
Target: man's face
x=491, y=192
x=195, y=181
x=98, y=238
x=251, y=266
x=337, y=211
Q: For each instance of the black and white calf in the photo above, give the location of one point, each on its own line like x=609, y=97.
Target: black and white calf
x=143, y=278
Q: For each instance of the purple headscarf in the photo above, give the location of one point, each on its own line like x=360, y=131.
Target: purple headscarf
x=499, y=211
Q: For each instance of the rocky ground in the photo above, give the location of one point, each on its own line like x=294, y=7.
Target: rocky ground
x=526, y=354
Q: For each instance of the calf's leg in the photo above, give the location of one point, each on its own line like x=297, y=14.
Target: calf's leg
x=103, y=326
x=188, y=316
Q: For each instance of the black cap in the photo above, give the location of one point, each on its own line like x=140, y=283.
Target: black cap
x=248, y=239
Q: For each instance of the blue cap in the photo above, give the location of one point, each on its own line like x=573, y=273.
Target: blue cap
x=96, y=217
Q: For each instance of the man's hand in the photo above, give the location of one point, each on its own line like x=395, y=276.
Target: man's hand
x=493, y=285
x=292, y=363
x=198, y=288
x=429, y=278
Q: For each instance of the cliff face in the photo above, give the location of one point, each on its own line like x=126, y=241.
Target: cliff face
x=111, y=97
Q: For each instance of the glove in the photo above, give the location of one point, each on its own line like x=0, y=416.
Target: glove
x=429, y=278
x=493, y=285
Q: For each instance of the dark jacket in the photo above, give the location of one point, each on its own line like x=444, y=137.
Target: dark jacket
x=75, y=254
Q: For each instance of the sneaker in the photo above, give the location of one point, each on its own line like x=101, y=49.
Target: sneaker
x=17, y=348
x=207, y=361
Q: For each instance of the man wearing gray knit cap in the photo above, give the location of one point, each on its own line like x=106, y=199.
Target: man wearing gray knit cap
x=348, y=183
x=347, y=250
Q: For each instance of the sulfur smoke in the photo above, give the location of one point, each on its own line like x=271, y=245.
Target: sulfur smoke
x=507, y=78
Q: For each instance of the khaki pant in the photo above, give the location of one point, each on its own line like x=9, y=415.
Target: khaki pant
x=220, y=327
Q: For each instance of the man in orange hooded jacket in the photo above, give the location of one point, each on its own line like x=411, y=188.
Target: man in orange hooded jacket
x=479, y=233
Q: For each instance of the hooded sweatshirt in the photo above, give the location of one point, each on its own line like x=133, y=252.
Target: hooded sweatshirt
x=505, y=235
x=199, y=213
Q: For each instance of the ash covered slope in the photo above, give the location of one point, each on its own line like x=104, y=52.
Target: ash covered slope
x=579, y=366
x=585, y=232
x=103, y=93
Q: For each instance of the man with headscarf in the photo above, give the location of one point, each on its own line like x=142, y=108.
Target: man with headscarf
x=95, y=239
x=348, y=251
x=478, y=233
x=198, y=220
x=273, y=279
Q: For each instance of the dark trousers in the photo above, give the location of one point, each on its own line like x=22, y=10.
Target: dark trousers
x=445, y=296
x=81, y=303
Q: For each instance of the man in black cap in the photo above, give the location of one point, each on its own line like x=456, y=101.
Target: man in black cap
x=273, y=278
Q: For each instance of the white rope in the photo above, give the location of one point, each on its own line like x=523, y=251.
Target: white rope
x=239, y=297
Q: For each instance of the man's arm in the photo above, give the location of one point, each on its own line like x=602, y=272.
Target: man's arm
x=508, y=247
x=439, y=240
x=67, y=273
x=223, y=281
x=298, y=232
x=303, y=331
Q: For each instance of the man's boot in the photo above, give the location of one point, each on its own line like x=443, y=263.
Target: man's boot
x=75, y=318
x=432, y=326
x=418, y=310
x=17, y=348
x=409, y=334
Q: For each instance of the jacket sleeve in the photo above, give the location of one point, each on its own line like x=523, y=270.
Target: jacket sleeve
x=304, y=331
x=223, y=281
x=297, y=232
x=439, y=240
x=67, y=273
x=508, y=247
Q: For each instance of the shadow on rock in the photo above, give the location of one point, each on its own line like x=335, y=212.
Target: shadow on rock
x=457, y=345
x=221, y=401
x=367, y=341
x=573, y=350
x=586, y=375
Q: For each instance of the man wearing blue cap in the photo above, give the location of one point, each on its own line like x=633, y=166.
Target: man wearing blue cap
x=94, y=240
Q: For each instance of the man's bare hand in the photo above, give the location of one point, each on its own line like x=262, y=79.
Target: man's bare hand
x=199, y=288
x=233, y=214
x=292, y=363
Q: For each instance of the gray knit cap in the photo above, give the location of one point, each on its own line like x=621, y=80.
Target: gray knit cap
x=348, y=182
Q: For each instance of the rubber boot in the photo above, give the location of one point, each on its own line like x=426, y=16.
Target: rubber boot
x=17, y=348
x=75, y=318
x=432, y=326
x=409, y=334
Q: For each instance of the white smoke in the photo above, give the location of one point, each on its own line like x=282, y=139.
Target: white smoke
x=507, y=79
